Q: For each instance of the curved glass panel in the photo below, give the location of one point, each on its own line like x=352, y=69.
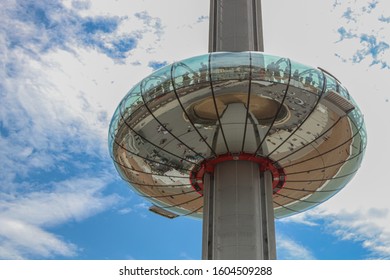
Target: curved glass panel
x=331, y=84
x=230, y=73
x=113, y=129
x=300, y=105
x=229, y=66
x=190, y=72
x=269, y=86
x=257, y=105
x=194, y=99
x=344, y=92
x=157, y=84
x=163, y=190
x=277, y=69
x=281, y=212
x=357, y=117
x=132, y=102
x=129, y=102
x=306, y=78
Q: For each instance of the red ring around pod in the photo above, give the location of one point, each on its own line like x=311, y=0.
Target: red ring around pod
x=265, y=164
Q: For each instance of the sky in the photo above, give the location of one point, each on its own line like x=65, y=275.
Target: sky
x=66, y=65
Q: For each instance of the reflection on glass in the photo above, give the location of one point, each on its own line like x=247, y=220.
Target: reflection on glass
x=156, y=84
x=230, y=66
x=306, y=78
x=331, y=84
x=260, y=104
x=190, y=72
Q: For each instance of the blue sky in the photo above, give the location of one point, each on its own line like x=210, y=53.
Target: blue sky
x=65, y=66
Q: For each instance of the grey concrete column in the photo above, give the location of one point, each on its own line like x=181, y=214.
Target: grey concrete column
x=235, y=25
x=238, y=221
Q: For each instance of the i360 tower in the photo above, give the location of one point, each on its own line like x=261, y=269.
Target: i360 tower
x=237, y=137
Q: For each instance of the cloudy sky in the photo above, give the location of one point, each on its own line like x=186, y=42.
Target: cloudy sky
x=65, y=66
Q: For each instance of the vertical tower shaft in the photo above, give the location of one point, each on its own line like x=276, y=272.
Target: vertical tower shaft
x=238, y=214
x=238, y=218
x=235, y=25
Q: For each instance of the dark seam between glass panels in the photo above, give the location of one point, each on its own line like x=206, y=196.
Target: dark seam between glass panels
x=175, y=167
x=154, y=145
x=324, y=167
x=143, y=172
x=334, y=148
x=162, y=125
x=279, y=109
x=185, y=112
x=289, y=209
x=247, y=102
x=322, y=180
x=215, y=105
x=298, y=199
x=314, y=140
x=306, y=118
x=188, y=201
x=163, y=196
x=190, y=213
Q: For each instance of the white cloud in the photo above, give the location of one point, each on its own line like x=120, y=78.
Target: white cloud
x=56, y=104
x=366, y=226
x=369, y=42
x=53, y=131
x=300, y=218
x=73, y=199
x=184, y=36
x=45, y=123
x=289, y=249
x=22, y=240
x=185, y=256
x=360, y=211
x=125, y=211
x=25, y=219
x=369, y=227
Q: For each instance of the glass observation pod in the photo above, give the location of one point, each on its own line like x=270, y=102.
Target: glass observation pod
x=299, y=120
